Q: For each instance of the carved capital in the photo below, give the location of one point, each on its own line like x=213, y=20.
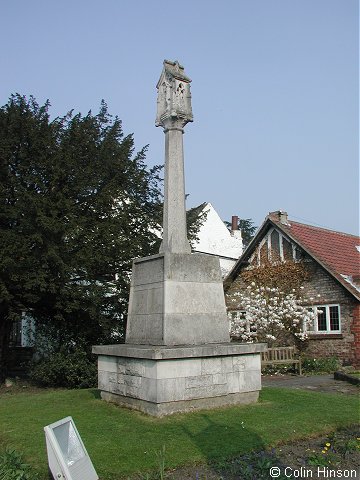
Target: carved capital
x=174, y=97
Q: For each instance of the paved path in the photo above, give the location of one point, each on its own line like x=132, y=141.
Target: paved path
x=320, y=383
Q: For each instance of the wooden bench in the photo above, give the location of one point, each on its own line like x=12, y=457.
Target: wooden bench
x=281, y=355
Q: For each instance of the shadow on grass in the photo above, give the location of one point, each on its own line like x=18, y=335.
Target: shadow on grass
x=256, y=464
x=95, y=393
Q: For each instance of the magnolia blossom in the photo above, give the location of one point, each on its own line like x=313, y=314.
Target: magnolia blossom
x=268, y=311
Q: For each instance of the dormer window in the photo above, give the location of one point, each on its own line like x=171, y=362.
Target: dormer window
x=276, y=247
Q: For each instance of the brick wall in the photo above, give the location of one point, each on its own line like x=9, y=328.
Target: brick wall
x=355, y=329
x=324, y=289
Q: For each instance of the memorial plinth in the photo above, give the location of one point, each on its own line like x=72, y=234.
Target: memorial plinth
x=164, y=380
x=177, y=354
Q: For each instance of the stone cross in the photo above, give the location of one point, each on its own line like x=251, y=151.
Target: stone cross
x=176, y=297
x=177, y=354
x=173, y=113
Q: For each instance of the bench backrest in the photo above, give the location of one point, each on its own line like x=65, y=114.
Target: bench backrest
x=278, y=354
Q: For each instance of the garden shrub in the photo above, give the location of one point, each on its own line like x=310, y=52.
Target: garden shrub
x=65, y=369
x=320, y=365
x=279, y=369
x=309, y=366
x=12, y=467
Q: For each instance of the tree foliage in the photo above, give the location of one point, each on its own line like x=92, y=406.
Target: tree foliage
x=195, y=218
x=287, y=276
x=77, y=204
x=247, y=228
x=271, y=297
x=271, y=315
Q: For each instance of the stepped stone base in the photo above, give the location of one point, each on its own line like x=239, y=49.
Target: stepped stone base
x=162, y=380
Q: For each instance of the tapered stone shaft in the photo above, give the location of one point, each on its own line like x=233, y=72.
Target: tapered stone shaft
x=174, y=216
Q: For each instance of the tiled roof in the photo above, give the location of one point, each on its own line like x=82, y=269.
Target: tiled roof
x=337, y=252
x=335, y=249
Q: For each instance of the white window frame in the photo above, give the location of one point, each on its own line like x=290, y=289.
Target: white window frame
x=24, y=331
x=234, y=315
x=328, y=331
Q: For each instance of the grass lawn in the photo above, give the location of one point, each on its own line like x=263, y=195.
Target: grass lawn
x=121, y=442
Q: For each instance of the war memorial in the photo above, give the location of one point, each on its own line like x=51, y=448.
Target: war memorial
x=177, y=354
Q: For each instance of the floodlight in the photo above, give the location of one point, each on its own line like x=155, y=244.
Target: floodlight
x=67, y=455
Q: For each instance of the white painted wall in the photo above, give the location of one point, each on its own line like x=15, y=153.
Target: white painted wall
x=216, y=239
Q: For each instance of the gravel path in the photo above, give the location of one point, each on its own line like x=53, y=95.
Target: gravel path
x=321, y=383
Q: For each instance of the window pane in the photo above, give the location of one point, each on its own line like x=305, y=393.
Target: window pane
x=310, y=326
x=15, y=335
x=287, y=249
x=334, y=318
x=321, y=319
x=275, y=246
x=237, y=314
x=299, y=254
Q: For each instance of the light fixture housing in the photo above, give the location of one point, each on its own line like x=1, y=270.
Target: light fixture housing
x=67, y=455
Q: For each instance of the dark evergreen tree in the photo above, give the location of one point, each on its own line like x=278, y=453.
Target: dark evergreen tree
x=247, y=228
x=195, y=217
x=76, y=206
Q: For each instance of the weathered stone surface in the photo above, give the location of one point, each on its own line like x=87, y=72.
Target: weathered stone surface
x=220, y=378
x=199, y=381
x=179, y=302
x=148, y=270
x=107, y=364
x=226, y=350
x=197, y=267
x=169, y=408
x=193, y=329
x=181, y=368
x=212, y=365
x=170, y=390
x=174, y=97
x=190, y=373
x=147, y=329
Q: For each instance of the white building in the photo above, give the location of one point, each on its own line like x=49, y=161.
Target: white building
x=216, y=239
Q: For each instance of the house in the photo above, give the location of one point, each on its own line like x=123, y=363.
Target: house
x=333, y=259
x=214, y=238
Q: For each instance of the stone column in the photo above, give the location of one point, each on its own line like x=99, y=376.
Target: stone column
x=174, y=216
x=173, y=113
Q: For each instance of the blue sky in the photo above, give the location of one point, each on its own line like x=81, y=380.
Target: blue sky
x=274, y=89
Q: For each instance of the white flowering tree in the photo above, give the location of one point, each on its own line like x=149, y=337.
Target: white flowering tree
x=270, y=313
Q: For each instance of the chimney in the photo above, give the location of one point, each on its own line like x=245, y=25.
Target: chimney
x=235, y=232
x=283, y=217
x=234, y=223
x=280, y=216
